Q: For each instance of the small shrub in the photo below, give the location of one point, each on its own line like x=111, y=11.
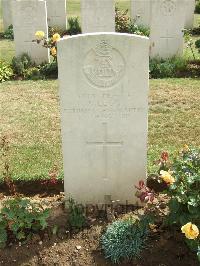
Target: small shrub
x=138, y=29
x=184, y=191
x=6, y=72
x=123, y=23
x=183, y=187
x=197, y=7
x=21, y=63
x=167, y=68
x=54, y=30
x=21, y=218
x=122, y=20
x=76, y=219
x=8, y=34
x=124, y=239
x=73, y=26
x=49, y=70
x=197, y=45
x=196, y=31
x=32, y=73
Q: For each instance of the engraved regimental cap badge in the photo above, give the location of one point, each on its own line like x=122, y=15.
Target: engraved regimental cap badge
x=168, y=7
x=103, y=65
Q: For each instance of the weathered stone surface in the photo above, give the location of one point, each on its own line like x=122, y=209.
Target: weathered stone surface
x=141, y=11
x=6, y=13
x=97, y=16
x=189, y=19
x=29, y=17
x=167, y=24
x=103, y=97
x=56, y=13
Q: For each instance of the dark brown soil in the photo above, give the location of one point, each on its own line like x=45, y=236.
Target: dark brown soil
x=33, y=187
x=164, y=248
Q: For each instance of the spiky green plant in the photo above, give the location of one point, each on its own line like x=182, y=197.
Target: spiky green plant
x=124, y=239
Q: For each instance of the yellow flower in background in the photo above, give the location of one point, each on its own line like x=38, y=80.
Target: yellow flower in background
x=53, y=51
x=39, y=35
x=166, y=176
x=186, y=148
x=56, y=37
x=190, y=230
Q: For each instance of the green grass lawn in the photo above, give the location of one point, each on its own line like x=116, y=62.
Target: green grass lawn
x=30, y=119
x=7, y=50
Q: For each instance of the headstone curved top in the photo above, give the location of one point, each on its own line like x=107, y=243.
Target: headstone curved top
x=103, y=97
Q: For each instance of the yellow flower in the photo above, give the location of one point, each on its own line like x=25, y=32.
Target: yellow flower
x=53, y=51
x=166, y=176
x=56, y=37
x=39, y=35
x=186, y=148
x=190, y=230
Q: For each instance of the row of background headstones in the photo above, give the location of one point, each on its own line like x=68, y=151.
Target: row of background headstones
x=166, y=19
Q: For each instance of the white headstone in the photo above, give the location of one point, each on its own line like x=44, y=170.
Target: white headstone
x=189, y=20
x=97, y=16
x=56, y=13
x=166, y=34
x=7, y=13
x=141, y=12
x=28, y=17
x=103, y=92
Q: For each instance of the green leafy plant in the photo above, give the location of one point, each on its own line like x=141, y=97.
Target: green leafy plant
x=9, y=34
x=123, y=23
x=76, y=219
x=124, y=239
x=21, y=218
x=184, y=192
x=197, y=45
x=32, y=73
x=21, y=63
x=197, y=7
x=55, y=30
x=49, y=70
x=167, y=68
x=189, y=41
x=183, y=179
x=6, y=72
x=122, y=20
x=73, y=26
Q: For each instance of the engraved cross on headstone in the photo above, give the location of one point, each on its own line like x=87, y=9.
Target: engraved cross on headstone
x=105, y=143
x=167, y=38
